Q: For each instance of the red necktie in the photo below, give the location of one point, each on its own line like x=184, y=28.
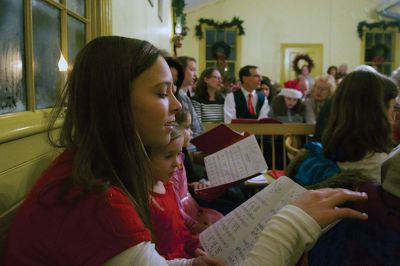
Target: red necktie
x=250, y=104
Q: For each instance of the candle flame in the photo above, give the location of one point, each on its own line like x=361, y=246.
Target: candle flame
x=62, y=64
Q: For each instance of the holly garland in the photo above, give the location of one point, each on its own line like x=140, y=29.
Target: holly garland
x=235, y=22
x=380, y=25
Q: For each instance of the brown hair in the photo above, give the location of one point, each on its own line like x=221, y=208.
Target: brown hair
x=201, y=87
x=279, y=108
x=98, y=122
x=358, y=122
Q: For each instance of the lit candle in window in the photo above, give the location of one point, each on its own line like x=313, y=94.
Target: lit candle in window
x=62, y=67
x=62, y=64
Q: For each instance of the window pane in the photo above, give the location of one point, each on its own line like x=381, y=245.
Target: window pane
x=12, y=81
x=210, y=64
x=378, y=38
x=368, y=40
x=210, y=37
x=46, y=49
x=231, y=37
x=209, y=55
x=220, y=35
x=232, y=54
x=76, y=37
x=77, y=6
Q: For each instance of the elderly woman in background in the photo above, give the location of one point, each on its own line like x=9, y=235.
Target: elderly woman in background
x=321, y=91
x=209, y=101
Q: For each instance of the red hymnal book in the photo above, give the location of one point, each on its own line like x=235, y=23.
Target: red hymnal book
x=216, y=139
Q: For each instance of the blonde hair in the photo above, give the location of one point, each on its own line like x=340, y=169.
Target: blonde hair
x=326, y=79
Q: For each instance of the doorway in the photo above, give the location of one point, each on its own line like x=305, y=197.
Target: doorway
x=289, y=52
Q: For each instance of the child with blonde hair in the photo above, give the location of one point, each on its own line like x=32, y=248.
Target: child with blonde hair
x=196, y=218
x=172, y=238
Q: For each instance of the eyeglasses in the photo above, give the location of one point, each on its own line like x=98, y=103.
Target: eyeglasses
x=215, y=77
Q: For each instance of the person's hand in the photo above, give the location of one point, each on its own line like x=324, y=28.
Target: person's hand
x=202, y=259
x=322, y=204
x=203, y=218
x=198, y=185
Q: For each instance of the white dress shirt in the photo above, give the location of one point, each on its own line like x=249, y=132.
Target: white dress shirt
x=230, y=106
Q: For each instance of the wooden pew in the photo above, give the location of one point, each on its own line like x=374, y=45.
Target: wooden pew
x=25, y=153
x=273, y=130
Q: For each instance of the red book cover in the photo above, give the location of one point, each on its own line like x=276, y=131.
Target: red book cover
x=216, y=139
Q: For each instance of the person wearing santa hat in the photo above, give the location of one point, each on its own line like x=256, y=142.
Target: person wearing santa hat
x=287, y=107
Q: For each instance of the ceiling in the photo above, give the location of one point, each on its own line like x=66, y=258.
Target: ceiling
x=387, y=8
x=390, y=8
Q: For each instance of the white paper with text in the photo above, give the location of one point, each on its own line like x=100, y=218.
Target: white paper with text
x=237, y=161
x=232, y=237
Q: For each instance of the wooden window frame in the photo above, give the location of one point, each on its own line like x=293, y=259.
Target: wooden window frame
x=202, y=49
x=32, y=121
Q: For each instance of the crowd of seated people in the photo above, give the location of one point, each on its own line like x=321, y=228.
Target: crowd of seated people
x=133, y=185
x=358, y=114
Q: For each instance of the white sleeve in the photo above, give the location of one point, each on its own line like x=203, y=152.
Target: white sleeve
x=229, y=108
x=264, y=109
x=144, y=254
x=286, y=236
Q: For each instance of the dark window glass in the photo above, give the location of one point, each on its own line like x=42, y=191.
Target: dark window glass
x=220, y=35
x=76, y=37
x=210, y=37
x=77, y=6
x=46, y=49
x=12, y=64
x=209, y=55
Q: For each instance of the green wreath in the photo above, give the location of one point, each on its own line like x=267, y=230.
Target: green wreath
x=298, y=58
x=221, y=47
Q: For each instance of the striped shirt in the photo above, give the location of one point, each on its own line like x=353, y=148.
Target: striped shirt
x=210, y=111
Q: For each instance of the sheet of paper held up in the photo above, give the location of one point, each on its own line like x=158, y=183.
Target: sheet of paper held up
x=237, y=161
x=232, y=237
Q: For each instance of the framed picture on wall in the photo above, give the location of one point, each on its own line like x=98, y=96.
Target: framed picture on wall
x=151, y=2
x=160, y=10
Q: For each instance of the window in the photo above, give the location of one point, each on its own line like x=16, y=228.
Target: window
x=35, y=33
x=379, y=50
x=220, y=49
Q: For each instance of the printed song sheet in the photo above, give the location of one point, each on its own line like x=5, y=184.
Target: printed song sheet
x=235, y=162
x=232, y=237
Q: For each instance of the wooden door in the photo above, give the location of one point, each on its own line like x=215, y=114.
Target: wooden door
x=289, y=52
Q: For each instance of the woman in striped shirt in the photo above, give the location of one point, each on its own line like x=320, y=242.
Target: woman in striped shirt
x=209, y=101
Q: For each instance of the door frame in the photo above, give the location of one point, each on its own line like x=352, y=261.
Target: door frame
x=317, y=47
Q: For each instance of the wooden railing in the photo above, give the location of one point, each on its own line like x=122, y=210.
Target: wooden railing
x=270, y=130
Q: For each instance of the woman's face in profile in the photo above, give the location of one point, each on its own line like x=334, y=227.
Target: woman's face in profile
x=154, y=105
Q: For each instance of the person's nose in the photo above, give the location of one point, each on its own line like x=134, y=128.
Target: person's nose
x=175, y=163
x=174, y=104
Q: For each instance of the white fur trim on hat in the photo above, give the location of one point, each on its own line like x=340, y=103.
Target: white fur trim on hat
x=291, y=93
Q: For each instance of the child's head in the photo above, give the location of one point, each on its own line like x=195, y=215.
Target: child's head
x=164, y=159
x=291, y=97
x=184, y=119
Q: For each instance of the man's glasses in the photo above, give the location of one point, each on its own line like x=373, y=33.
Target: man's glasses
x=215, y=77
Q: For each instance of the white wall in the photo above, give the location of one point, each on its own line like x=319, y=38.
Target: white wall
x=138, y=19
x=269, y=23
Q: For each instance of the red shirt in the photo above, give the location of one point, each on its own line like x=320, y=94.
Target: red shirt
x=173, y=239
x=88, y=232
